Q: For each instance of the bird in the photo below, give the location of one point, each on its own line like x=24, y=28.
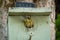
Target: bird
x=28, y=22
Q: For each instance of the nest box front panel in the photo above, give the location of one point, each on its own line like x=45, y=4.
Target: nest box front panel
x=18, y=31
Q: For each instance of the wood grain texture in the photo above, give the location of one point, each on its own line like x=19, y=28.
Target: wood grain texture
x=3, y=20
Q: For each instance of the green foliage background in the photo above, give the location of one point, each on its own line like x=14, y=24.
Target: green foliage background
x=58, y=27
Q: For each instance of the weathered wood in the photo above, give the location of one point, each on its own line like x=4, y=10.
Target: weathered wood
x=52, y=18
x=3, y=25
x=4, y=14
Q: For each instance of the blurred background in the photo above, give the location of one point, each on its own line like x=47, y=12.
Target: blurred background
x=57, y=3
